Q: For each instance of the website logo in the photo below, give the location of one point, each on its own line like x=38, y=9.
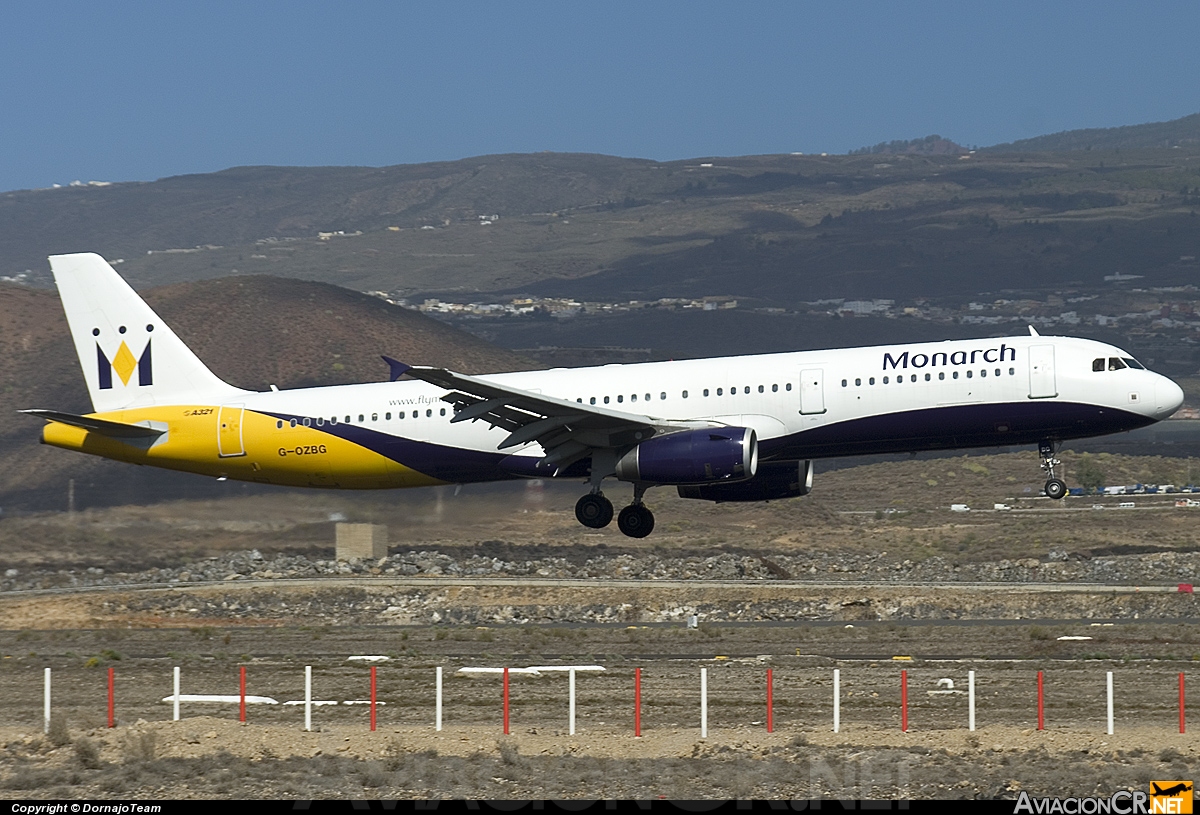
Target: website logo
x=123, y=363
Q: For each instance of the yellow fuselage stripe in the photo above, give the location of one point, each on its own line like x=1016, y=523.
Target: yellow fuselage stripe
x=242, y=445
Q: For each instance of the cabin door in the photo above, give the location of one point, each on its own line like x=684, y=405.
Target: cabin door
x=812, y=391
x=1041, y=372
x=229, y=431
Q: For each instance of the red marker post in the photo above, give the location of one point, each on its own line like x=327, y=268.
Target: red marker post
x=1041, y=704
x=637, y=702
x=242, y=695
x=904, y=701
x=112, y=720
x=1181, y=717
x=506, y=701
x=770, y=706
x=372, y=698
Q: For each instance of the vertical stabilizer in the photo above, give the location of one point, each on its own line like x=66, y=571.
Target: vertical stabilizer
x=130, y=357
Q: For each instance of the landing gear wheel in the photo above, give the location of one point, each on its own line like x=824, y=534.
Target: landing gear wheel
x=594, y=510
x=1055, y=488
x=636, y=521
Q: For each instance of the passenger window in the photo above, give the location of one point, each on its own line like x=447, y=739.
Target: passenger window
x=843, y=383
x=748, y=389
x=442, y=412
x=606, y=400
x=620, y=398
x=279, y=425
x=706, y=391
x=788, y=386
x=320, y=421
x=774, y=389
x=400, y=415
x=954, y=375
x=983, y=373
x=633, y=398
x=761, y=388
x=719, y=392
x=941, y=374
x=1012, y=371
x=914, y=377
x=361, y=418
x=997, y=372
x=662, y=396
x=428, y=414
x=648, y=397
x=685, y=394
x=927, y=377
x=871, y=381
x=307, y=422
x=885, y=381
x=292, y=422
x=375, y=416
x=1115, y=364
x=347, y=420
x=858, y=383
x=592, y=401
x=579, y=400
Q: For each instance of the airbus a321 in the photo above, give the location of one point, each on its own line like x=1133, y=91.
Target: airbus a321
x=741, y=428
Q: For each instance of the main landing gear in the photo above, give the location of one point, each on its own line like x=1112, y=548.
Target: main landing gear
x=1055, y=487
x=595, y=511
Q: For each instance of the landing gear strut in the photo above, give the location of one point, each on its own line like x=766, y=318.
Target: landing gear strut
x=594, y=510
x=636, y=520
x=1055, y=487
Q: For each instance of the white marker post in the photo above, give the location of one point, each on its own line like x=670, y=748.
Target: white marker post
x=437, y=723
x=175, y=697
x=308, y=697
x=46, y=703
x=1110, y=704
x=571, y=680
x=704, y=703
x=971, y=701
x=837, y=700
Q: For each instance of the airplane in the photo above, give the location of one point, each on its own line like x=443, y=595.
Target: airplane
x=1172, y=791
x=744, y=428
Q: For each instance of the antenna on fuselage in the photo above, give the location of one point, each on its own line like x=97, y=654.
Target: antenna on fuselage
x=1033, y=332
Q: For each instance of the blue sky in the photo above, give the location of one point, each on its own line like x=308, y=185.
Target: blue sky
x=120, y=91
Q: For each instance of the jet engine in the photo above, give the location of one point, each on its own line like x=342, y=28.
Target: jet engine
x=775, y=479
x=708, y=456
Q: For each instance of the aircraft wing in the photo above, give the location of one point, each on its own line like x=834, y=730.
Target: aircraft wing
x=104, y=427
x=567, y=431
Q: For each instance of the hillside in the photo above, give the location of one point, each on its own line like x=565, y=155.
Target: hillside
x=253, y=332
x=1184, y=131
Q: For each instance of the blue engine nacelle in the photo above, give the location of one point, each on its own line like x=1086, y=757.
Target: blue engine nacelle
x=724, y=454
x=775, y=479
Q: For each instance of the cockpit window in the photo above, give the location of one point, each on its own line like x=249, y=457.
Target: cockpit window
x=1115, y=364
x=1133, y=363
x=1098, y=364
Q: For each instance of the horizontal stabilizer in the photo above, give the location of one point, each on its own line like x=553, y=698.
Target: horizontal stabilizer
x=105, y=427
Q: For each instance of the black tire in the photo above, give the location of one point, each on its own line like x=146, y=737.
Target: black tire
x=594, y=511
x=636, y=521
x=1055, y=488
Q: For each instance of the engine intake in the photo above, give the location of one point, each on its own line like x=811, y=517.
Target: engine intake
x=775, y=479
x=693, y=457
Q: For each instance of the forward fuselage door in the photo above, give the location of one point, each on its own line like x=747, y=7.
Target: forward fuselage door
x=1041, y=372
x=229, y=431
x=812, y=391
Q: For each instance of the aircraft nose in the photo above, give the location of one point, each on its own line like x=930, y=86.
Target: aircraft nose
x=1168, y=397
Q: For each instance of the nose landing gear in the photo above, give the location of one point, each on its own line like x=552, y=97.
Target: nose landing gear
x=1055, y=487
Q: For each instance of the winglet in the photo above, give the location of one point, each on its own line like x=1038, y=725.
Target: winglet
x=397, y=369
